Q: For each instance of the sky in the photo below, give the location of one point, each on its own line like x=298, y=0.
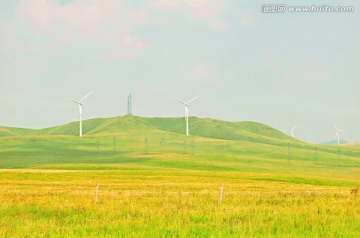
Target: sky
x=279, y=69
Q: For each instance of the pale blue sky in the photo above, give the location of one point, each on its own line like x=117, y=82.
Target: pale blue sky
x=278, y=69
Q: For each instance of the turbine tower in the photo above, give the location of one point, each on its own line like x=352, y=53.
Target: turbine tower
x=187, y=104
x=129, y=105
x=80, y=103
x=337, y=134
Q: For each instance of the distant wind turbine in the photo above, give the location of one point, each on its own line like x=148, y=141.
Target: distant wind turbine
x=292, y=131
x=337, y=134
x=80, y=103
x=187, y=104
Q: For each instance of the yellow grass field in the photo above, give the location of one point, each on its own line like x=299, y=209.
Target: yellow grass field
x=60, y=203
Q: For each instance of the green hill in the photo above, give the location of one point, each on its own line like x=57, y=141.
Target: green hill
x=204, y=127
x=218, y=129
x=131, y=142
x=13, y=131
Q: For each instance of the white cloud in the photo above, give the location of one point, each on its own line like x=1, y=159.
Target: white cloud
x=105, y=25
x=165, y=5
x=201, y=70
x=209, y=73
x=202, y=10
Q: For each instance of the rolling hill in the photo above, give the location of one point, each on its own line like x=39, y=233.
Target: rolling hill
x=132, y=142
x=13, y=131
x=204, y=127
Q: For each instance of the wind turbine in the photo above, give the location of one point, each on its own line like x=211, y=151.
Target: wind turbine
x=187, y=104
x=292, y=131
x=337, y=134
x=80, y=103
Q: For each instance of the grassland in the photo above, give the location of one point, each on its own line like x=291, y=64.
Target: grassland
x=155, y=182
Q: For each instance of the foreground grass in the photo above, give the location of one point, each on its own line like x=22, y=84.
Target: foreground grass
x=162, y=184
x=176, y=203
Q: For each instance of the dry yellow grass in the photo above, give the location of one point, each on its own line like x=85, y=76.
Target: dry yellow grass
x=171, y=204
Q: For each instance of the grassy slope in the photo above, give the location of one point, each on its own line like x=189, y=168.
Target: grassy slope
x=119, y=143
x=205, y=127
x=13, y=131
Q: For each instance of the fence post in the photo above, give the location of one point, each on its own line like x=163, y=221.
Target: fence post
x=289, y=151
x=114, y=145
x=96, y=194
x=221, y=193
x=146, y=145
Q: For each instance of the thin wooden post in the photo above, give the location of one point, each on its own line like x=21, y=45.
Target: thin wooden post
x=221, y=193
x=114, y=145
x=289, y=151
x=162, y=143
x=146, y=145
x=96, y=194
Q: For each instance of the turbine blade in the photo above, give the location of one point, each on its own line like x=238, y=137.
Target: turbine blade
x=193, y=99
x=73, y=100
x=85, y=97
x=336, y=127
x=181, y=101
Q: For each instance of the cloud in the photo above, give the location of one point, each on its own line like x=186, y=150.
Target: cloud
x=103, y=25
x=209, y=73
x=106, y=27
x=201, y=10
x=85, y=15
x=126, y=47
x=205, y=9
x=201, y=70
x=139, y=16
x=165, y=5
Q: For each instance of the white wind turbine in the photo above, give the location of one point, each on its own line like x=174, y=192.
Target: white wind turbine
x=337, y=134
x=80, y=103
x=187, y=104
x=292, y=131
